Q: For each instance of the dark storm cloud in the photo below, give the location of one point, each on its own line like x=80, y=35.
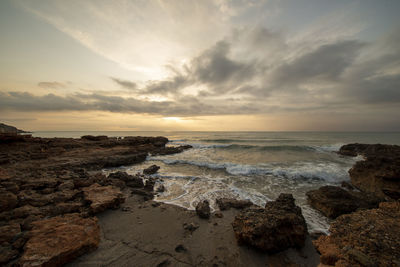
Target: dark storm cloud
x=326, y=63
x=212, y=68
x=124, y=83
x=51, y=85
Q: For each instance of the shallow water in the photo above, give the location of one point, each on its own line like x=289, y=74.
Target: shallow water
x=250, y=165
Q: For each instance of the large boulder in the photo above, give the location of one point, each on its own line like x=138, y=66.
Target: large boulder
x=203, y=209
x=363, y=238
x=333, y=201
x=279, y=226
x=227, y=203
x=58, y=240
x=379, y=172
x=102, y=197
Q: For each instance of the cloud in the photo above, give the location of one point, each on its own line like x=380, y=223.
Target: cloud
x=51, y=85
x=184, y=106
x=326, y=63
x=124, y=83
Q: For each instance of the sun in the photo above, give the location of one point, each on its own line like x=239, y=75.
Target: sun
x=174, y=119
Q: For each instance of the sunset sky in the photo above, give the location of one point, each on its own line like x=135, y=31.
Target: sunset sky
x=273, y=65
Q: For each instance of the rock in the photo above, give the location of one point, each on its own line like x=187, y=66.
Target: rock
x=25, y=211
x=102, y=197
x=8, y=200
x=333, y=201
x=149, y=185
x=147, y=195
x=227, y=203
x=10, y=187
x=191, y=227
x=61, y=208
x=38, y=184
x=67, y=185
x=379, y=172
x=347, y=185
x=9, y=232
x=219, y=215
x=130, y=180
x=279, y=226
x=58, y=240
x=94, y=138
x=203, y=209
x=161, y=189
x=151, y=170
x=363, y=238
x=7, y=253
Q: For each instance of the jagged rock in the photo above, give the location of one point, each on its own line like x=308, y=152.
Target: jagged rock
x=59, y=240
x=379, y=172
x=347, y=185
x=67, y=185
x=190, y=227
x=130, y=180
x=40, y=184
x=9, y=232
x=171, y=150
x=102, y=197
x=279, y=226
x=227, y=203
x=363, y=238
x=147, y=195
x=7, y=253
x=203, y=209
x=151, y=170
x=10, y=187
x=8, y=200
x=149, y=185
x=161, y=189
x=24, y=211
x=94, y=138
x=334, y=201
x=61, y=208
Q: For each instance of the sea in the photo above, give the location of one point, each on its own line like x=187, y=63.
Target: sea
x=249, y=165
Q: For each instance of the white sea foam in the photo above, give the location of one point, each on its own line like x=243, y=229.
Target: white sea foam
x=328, y=171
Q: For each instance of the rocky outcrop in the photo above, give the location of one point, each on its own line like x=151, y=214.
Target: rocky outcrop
x=203, y=209
x=379, y=172
x=151, y=170
x=279, y=226
x=102, y=197
x=43, y=178
x=363, y=238
x=7, y=129
x=227, y=203
x=334, y=201
x=58, y=240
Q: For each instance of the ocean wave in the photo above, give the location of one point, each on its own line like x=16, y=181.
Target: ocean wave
x=323, y=148
x=241, y=140
x=304, y=170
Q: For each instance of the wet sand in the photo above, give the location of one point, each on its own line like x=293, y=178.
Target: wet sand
x=149, y=233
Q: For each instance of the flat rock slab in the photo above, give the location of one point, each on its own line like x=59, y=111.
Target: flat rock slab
x=102, y=197
x=363, y=238
x=56, y=241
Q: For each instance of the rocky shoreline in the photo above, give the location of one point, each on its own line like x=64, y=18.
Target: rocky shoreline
x=57, y=205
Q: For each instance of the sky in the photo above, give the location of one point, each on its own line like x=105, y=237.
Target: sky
x=210, y=65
